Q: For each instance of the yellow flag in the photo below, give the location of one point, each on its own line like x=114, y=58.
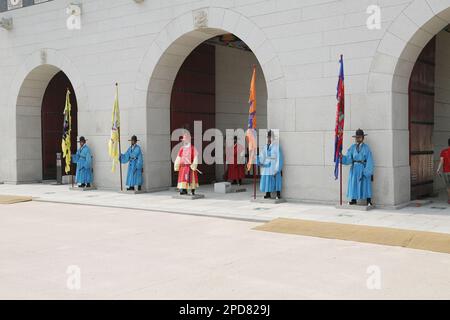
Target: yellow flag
x=113, y=144
x=66, y=143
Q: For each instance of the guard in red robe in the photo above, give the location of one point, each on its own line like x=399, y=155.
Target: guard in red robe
x=235, y=170
x=186, y=164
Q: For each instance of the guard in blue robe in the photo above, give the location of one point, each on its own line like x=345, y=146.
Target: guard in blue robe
x=360, y=158
x=135, y=166
x=270, y=160
x=83, y=160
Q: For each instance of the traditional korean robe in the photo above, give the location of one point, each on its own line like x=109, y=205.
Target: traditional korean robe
x=83, y=160
x=361, y=171
x=186, y=164
x=235, y=170
x=136, y=163
x=270, y=161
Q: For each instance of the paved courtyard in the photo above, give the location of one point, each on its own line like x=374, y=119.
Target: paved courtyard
x=135, y=254
x=434, y=216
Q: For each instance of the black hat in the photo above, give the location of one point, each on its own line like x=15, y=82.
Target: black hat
x=82, y=139
x=133, y=138
x=359, y=133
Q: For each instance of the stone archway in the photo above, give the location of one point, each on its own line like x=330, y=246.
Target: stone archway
x=27, y=91
x=162, y=62
x=390, y=73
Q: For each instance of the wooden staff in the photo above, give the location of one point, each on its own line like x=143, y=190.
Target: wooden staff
x=120, y=162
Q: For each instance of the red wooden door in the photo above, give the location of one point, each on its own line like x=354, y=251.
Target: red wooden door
x=193, y=99
x=421, y=122
x=52, y=120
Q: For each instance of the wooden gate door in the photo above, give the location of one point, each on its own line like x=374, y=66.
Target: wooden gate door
x=421, y=122
x=52, y=120
x=193, y=99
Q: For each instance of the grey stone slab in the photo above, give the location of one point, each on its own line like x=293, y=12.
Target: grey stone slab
x=222, y=187
x=188, y=196
x=83, y=189
x=133, y=191
x=357, y=207
x=238, y=189
x=268, y=201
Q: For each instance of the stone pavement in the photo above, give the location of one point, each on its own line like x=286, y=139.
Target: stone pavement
x=112, y=253
x=434, y=217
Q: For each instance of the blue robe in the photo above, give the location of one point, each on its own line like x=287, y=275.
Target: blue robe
x=360, y=178
x=270, y=161
x=83, y=160
x=134, y=156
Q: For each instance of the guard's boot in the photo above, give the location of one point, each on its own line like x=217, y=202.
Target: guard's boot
x=139, y=188
x=130, y=188
x=193, y=192
x=278, y=195
x=82, y=185
x=88, y=185
x=183, y=191
x=267, y=196
x=369, y=202
x=353, y=202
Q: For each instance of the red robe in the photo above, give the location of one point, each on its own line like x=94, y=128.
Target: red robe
x=235, y=170
x=186, y=163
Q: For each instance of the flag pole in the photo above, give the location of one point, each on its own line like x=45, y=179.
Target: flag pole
x=340, y=160
x=340, y=178
x=120, y=149
x=254, y=181
x=254, y=165
x=70, y=128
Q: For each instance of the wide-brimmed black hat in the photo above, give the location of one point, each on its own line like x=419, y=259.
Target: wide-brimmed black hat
x=82, y=139
x=359, y=133
x=134, y=138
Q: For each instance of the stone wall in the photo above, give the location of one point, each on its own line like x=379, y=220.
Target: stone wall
x=297, y=44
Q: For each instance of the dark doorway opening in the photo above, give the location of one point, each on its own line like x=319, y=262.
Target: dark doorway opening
x=193, y=99
x=52, y=119
x=421, y=122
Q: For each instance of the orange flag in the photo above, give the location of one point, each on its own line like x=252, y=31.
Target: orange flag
x=251, y=128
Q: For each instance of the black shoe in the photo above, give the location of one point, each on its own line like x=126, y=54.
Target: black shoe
x=239, y=182
x=278, y=195
x=139, y=188
x=234, y=182
x=183, y=191
x=88, y=185
x=130, y=189
x=267, y=196
x=82, y=185
x=352, y=203
x=193, y=192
